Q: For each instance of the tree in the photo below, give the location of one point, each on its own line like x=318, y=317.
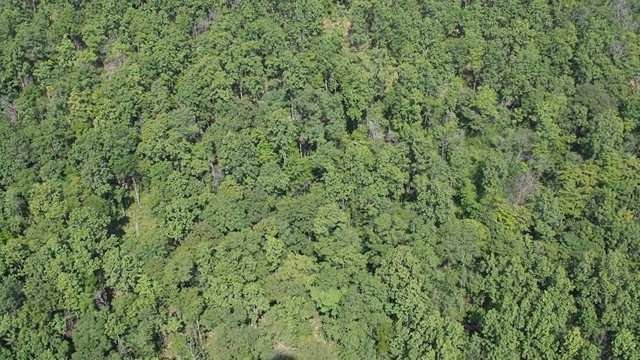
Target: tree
x=319, y=179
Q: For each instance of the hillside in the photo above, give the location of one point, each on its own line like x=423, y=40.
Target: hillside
x=318, y=179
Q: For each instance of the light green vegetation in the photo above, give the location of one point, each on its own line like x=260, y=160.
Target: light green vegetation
x=366, y=179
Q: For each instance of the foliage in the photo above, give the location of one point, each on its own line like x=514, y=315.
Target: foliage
x=316, y=179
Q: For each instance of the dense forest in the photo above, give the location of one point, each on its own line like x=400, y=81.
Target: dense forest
x=318, y=179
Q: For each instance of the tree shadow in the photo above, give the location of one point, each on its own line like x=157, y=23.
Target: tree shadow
x=116, y=226
x=283, y=357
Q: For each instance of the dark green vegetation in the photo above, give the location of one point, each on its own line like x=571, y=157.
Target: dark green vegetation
x=319, y=180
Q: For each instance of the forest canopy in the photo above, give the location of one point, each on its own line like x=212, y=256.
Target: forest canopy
x=318, y=179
